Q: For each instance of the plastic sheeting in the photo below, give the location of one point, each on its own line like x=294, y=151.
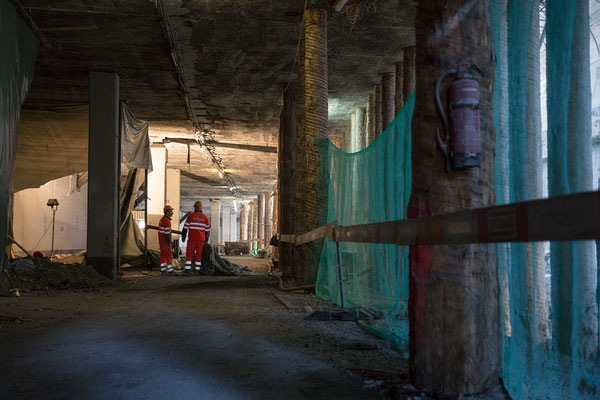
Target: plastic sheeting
x=135, y=143
x=372, y=185
x=19, y=51
x=548, y=352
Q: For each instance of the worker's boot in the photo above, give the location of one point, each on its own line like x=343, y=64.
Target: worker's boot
x=187, y=272
x=171, y=272
x=163, y=272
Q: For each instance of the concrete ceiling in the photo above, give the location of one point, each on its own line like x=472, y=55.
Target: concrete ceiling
x=235, y=57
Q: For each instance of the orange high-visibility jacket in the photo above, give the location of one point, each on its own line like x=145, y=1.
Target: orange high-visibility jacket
x=197, y=223
x=164, y=229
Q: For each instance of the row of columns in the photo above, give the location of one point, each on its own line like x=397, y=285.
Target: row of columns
x=256, y=220
x=382, y=106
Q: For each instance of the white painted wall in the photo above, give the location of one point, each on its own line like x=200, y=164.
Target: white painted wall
x=32, y=217
x=226, y=225
x=173, y=194
x=157, y=180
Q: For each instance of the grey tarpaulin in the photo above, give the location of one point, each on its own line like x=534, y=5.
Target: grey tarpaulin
x=18, y=47
x=135, y=143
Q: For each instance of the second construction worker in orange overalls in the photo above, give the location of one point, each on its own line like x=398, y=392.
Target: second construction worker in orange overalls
x=198, y=226
x=164, y=241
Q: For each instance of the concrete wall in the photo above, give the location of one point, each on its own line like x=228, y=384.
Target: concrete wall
x=32, y=217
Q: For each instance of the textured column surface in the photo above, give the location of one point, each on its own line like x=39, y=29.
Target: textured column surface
x=409, y=71
x=315, y=117
x=378, y=111
x=454, y=294
x=251, y=212
x=268, y=221
x=215, y=222
x=260, y=211
x=243, y=222
x=372, y=125
x=104, y=169
x=361, y=123
x=287, y=165
x=299, y=209
x=388, y=94
x=399, y=91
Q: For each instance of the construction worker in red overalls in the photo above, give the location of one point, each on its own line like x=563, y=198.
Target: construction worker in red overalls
x=164, y=240
x=199, y=227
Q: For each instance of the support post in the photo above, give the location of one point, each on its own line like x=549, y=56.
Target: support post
x=399, y=91
x=388, y=94
x=410, y=77
x=268, y=221
x=454, y=342
x=261, y=221
x=103, y=171
x=286, y=171
x=243, y=222
x=378, y=112
x=251, y=237
x=215, y=223
x=146, y=219
x=316, y=128
x=372, y=125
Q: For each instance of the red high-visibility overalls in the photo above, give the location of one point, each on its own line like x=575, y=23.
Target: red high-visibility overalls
x=166, y=253
x=196, y=223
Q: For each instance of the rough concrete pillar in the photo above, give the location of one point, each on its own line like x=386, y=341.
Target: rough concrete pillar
x=299, y=209
x=226, y=225
x=454, y=340
x=268, y=221
x=359, y=129
x=255, y=224
x=409, y=65
x=287, y=161
x=363, y=129
x=215, y=222
x=378, y=111
x=316, y=128
x=244, y=222
x=251, y=212
x=350, y=135
x=261, y=220
x=399, y=97
x=104, y=169
x=372, y=125
x=388, y=93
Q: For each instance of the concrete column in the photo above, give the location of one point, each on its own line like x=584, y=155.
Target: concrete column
x=378, y=112
x=388, y=93
x=261, y=220
x=286, y=172
x=255, y=224
x=357, y=130
x=268, y=221
x=244, y=222
x=215, y=222
x=372, y=125
x=251, y=212
x=226, y=225
x=104, y=169
x=362, y=140
x=316, y=116
x=410, y=77
x=349, y=135
x=399, y=96
x=454, y=342
x=157, y=189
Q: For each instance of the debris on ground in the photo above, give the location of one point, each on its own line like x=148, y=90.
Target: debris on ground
x=44, y=274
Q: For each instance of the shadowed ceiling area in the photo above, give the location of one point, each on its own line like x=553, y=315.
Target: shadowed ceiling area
x=215, y=65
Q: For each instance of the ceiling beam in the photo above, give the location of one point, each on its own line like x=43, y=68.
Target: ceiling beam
x=248, y=147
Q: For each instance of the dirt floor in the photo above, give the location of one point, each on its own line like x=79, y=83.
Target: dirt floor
x=153, y=337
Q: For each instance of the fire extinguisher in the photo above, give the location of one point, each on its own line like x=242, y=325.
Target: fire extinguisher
x=462, y=143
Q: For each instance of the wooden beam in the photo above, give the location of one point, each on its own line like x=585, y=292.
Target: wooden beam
x=247, y=147
x=319, y=233
x=563, y=218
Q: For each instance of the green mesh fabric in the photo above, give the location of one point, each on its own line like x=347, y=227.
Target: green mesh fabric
x=550, y=325
x=372, y=185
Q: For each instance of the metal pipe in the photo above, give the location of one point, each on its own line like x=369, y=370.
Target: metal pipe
x=53, y=219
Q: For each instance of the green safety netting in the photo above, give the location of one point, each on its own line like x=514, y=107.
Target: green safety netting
x=549, y=312
x=18, y=53
x=372, y=185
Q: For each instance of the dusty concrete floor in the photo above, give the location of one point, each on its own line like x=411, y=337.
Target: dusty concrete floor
x=199, y=337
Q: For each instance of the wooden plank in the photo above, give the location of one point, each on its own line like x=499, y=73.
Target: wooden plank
x=291, y=238
x=563, y=218
x=319, y=233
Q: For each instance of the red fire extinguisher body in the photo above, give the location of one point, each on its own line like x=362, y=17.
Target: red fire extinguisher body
x=465, y=138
